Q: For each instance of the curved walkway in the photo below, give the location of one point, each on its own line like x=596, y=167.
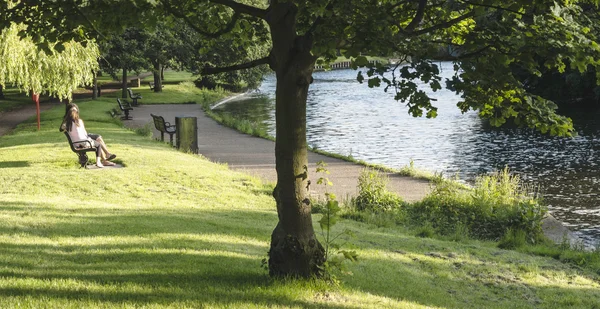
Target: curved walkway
x=256, y=156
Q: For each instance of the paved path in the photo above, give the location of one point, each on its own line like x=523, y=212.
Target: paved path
x=256, y=156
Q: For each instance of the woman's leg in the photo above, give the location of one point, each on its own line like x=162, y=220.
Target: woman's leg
x=106, y=154
x=99, y=158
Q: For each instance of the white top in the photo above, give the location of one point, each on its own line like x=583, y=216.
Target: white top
x=78, y=132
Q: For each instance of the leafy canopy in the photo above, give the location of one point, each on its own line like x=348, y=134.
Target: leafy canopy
x=490, y=40
x=48, y=71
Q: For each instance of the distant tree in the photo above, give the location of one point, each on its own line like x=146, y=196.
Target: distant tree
x=125, y=52
x=56, y=70
x=160, y=48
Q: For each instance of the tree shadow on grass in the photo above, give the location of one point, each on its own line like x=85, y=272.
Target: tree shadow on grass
x=203, y=256
x=12, y=164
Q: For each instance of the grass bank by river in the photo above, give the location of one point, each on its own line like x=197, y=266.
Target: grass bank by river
x=174, y=230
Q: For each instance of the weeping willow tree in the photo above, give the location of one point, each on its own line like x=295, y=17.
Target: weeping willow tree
x=54, y=70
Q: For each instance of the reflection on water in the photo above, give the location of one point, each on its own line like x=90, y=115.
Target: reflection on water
x=349, y=118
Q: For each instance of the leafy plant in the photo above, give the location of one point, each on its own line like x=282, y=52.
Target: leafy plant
x=497, y=203
x=335, y=256
x=373, y=194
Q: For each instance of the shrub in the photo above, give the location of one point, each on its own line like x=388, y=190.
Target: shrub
x=513, y=239
x=373, y=194
x=498, y=203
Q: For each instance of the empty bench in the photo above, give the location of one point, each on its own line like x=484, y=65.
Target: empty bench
x=134, y=97
x=125, y=108
x=81, y=148
x=164, y=127
x=151, y=84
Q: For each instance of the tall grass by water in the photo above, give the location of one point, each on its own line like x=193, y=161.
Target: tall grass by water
x=173, y=230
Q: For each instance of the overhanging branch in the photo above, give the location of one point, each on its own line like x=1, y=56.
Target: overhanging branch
x=242, y=8
x=442, y=25
x=418, y=16
x=248, y=65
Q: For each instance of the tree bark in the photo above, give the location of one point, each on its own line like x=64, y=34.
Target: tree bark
x=162, y=73
x=1, y=92
x=295, y=250
x=157, y=77
x=124, y=84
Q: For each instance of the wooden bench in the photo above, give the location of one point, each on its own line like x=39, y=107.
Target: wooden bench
x=125, y=108
x=80, y=148
x=134, y=96
x=151, y=84
x=164, y=127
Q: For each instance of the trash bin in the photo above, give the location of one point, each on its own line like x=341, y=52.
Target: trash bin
x=187, y=134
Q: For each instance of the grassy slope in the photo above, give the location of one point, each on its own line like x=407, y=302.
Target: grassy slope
x=14, y=99
x=174, y=230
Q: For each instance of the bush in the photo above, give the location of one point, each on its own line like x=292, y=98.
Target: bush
x=498, y=203
x=373, y=194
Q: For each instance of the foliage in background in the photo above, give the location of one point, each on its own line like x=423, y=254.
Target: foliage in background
x=124, y=53
x=51, y=69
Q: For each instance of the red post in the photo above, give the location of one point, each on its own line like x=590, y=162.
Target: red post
x=36, y=98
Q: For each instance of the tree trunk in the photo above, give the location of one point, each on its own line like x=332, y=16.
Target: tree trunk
x=162, y=73
x=95, y=87
x=157, y=77
x=1, y=92
x=295, y=250
x=124, y=84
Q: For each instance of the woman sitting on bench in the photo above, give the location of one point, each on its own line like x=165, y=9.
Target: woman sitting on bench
x=74, y=126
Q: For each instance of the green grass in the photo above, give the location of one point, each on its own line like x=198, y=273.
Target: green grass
x=174, y=77
x=182, y=93
x=173, y=230
x=14, y=99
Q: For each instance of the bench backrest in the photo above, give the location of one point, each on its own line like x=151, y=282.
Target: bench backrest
x=121, y=104
x=73, y=148
x=159, y=123
x=130, y=93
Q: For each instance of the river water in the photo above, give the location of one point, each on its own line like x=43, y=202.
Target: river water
x=349, y=118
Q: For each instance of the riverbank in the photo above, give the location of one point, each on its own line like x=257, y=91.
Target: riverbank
x=458, y=145
x=553, y=229
x=174, y=230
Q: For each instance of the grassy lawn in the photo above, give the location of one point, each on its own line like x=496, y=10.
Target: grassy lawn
x=173, y=230
x=173, y=77
x=14, y=99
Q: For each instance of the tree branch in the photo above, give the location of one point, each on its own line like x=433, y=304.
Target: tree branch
x=80, y=12
x=418, y=16
x=242, y=8
x=212, y=35
x=319, y=20
x=248, y=65
x=442, y=25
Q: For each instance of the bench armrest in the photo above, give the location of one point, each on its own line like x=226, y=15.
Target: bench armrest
x=82, y=144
